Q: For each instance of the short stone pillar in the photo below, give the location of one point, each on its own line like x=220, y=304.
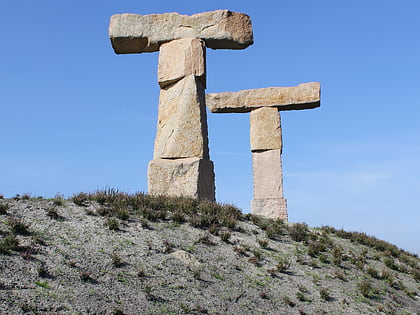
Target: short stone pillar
x=266, y=136
x=181, y=164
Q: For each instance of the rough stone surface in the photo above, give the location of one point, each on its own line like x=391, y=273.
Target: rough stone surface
x=187, y=259
x=267, y=172
x=303, y=96
x=275, y=208
x=221, y=29
x=191, y=177
x=182, y=121
x=265, y=129
x=180, y=58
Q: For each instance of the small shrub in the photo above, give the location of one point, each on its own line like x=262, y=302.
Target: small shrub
x=301, y=296
x=390, y=263
x=206, y=239
x=339, y=275
x=214, y=229
x=122, y=214
x=324, y=259
x=58, y=200
x=178, y=216
x=264, y=295
x=283, y=263
x=86, y=276
x=314, y=248
x=415, y=272
x=373, y=272
x=116, y=260
x=3, y=208
x=81, y=199
x=42, y=271
x=168, y=247
x=324, y=294
x=288, y=301
x=299, y=232
x=365, y=288
x=240, y=250
x=18, y=226
x=225, y=236
x=387, y=276
x=8, y=244
x=117, y=311
x=112, y=224
x=53, y=214
x=263, y=243
x=253, y=260
x=337, y=255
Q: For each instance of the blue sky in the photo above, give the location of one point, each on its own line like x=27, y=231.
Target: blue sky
x=76, y=117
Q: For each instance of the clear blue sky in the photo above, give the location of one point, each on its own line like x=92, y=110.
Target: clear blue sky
x=76, y=117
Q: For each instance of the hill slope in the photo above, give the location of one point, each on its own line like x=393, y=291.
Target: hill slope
x=111, y=253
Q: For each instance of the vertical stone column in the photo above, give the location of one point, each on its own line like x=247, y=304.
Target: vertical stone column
x=266, y=147
x=181, y=164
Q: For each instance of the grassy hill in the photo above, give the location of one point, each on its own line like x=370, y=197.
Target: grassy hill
x=112, y=253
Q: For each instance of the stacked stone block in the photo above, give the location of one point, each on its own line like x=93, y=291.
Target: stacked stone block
x=266, y=136
x=181, y=163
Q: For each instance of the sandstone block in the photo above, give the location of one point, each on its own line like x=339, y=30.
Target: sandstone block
x=191, y=177
x=275, y=208
x=265, y=129
x=303, y=96
x=182, y=121
x=268, y=181
x=221, y=29
x=180, y=58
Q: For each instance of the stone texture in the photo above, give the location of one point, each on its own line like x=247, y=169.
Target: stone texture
x=180, y=58
x=265, y=129
x=268, y=182
x=303, y=96
x=187, y=259
x=191, y=177
x=221, y=29
x=182, y=121
x=275, y=208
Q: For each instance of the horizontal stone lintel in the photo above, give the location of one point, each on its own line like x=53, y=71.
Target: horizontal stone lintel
x=220, y=29
x=303, y=96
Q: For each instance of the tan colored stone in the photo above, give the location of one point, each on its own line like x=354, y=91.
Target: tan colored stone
x=221, y=29
x=182, y=121
x=187, y=259
x=180, y=58
x=303, y=96
x=275, y=208
x=191, y=177
x=268, y=182
x=265, y=131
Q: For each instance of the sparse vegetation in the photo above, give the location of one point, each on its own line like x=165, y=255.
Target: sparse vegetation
x=3, y=208
x=275, y=260
x=8, y=244
x=18, y=226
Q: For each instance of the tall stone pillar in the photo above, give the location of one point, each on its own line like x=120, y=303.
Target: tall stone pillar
x=181, y=165
x=266, y=148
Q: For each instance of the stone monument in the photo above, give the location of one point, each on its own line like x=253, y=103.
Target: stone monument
x=266, y=137
x=181, y=164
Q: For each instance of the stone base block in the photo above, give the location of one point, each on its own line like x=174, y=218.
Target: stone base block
x=275, y=208
x=190, y=177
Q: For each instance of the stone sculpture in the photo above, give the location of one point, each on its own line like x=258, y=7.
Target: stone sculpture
x=265, y=136
x=181, y=164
